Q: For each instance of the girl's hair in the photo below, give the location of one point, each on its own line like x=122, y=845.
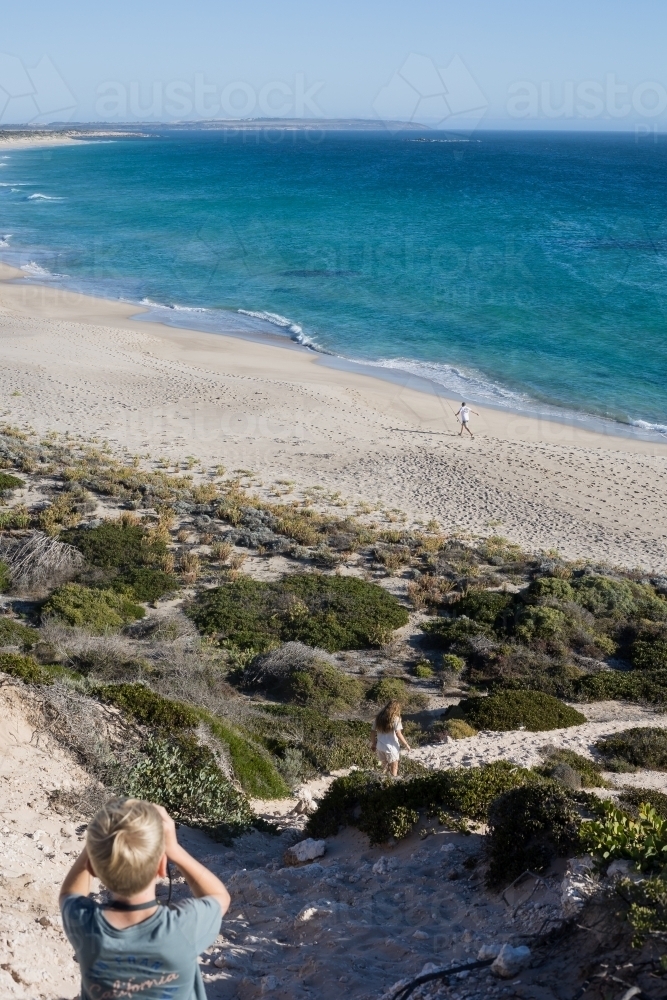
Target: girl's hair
x=125, y=841
x=384, y=720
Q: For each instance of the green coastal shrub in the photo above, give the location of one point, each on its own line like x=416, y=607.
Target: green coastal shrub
x=5, y=577
x=9, y=483
x=370, y=802
x=508, y=709
x=544, y=623
x=99, y=611
x=253, y=767
x=590, y=771
x=148, y=708
x=322, y=744
x=605, y=597
x=648, y=686
x=14, y=633
x=549, y=588
x=295, y=672
x=630, y=800
x=647, y=654
x=528, y=827
x=119, y=544
x=647, y=907
x=616, y=834
x=184, y=777
x=488, y=607
x=25, y=668
x=458, y=729
x=639, y=747
x=453, y=633
x=452, y=663
x=423, y=670
x=147, y=584
x=329, y=612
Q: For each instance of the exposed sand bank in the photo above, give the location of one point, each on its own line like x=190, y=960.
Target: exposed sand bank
x=83, y=365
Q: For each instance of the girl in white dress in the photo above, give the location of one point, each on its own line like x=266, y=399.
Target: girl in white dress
x=387, y=737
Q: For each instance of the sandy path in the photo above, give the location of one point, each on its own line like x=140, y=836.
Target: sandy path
x=79, y=364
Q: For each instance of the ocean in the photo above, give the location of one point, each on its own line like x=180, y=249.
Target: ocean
x=526, y=271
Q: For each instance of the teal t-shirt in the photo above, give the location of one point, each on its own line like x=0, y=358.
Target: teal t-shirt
x=153, y=960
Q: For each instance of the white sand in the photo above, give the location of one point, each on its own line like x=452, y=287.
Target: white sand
x=83, y=365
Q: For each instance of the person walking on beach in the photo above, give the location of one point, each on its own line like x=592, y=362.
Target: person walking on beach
x=464, y=413
x=387, y=736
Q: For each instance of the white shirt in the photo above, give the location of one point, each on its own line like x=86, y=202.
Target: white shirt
x=389, y=741
x=465, y=414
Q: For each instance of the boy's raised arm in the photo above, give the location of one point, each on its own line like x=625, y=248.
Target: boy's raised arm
x=77, y=880
x=202, y=882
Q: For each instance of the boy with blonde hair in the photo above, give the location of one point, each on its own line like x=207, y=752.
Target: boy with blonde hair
x=133, y=945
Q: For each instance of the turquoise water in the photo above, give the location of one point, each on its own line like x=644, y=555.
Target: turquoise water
x=528, y=271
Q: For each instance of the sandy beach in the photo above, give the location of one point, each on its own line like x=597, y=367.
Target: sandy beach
x=84, y=365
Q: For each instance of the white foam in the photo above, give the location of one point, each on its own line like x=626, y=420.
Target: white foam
x=161, y=305
x=275, y=319
x=645, y=425
x=35, y=270
x=461, y=383
x=42, y=197
x=4, y=240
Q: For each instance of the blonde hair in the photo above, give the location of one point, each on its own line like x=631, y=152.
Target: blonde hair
x=125, y=841
x=384, y=720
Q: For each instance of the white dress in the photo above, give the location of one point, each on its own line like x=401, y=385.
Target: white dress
x=387, y=745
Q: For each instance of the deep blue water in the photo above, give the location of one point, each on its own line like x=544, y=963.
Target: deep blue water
x=522, y=270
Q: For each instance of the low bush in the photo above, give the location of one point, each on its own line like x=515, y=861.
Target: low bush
x=649, y=654
x=253, y=767
x=605, y=597
x=9, y=483
x=25, y=668
x=648, y=686
x=528, y=827
x=295, y=672
x=549, y=588
x=542, y=623
x=14, y=633
x=453, y=633
x=588, y=770
x=639, y=747
x=98, y=610
x=184, y=777
x=458, y=729
x=489, y=607
x=148, y=708
x=322, y=744
x=370, y=802
x=330, y=612
x=423, y=670
x=120, y=544
x=618, y=835
x=147, y=584
x=632, y=798
x=452, y=663
x=508, y=709
x=5, y=577
x=647, y=907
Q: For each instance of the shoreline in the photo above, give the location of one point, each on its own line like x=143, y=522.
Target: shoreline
x=90, y=367
x=606, y=427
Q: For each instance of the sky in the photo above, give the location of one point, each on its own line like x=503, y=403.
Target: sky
x=482, y=63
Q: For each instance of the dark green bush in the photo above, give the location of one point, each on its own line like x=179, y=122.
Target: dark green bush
x=5, y=577
x=25, y=668
x=253, y=767
x=639, y=747
x=98, y=610
x=120, y=544
x=505, y=710
x=528, y=827
x=14, y=633
x=183, y=776
x=605, y=597
x=631, y=799
x=323, y=744
x=647, y=654
x=647, y=907
x=149, y=708
x=588, y=770
x=488, y=607
x=330, y=612
x=549, y=588
x=453, y=633
x=9, y=482
x=542, y=623
x=302, y=675
x=147, y=584
x=634, y=685
x=370, y=801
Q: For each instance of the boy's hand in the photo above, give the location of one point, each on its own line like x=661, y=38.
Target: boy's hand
x=171, y=845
